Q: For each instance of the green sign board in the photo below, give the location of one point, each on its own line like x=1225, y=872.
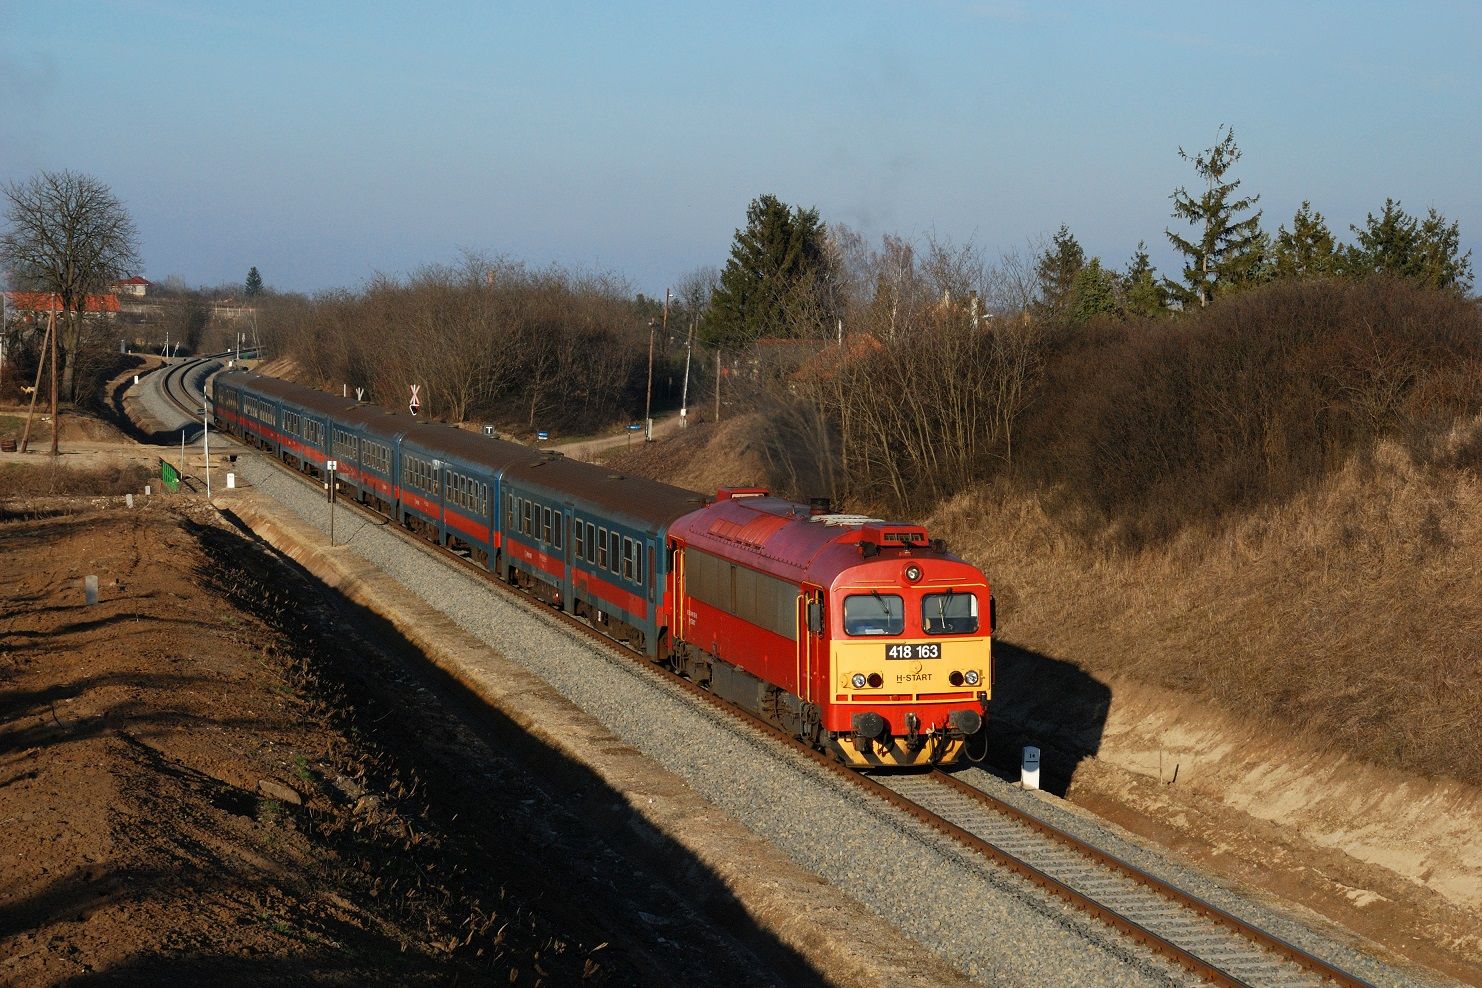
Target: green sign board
x=170, y=477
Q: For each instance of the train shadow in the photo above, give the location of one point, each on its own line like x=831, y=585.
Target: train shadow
x=592, y=861
x=1049, y=703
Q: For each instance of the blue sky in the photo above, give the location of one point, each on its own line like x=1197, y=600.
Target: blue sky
x=324, y=142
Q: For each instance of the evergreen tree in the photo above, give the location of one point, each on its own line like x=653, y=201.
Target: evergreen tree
x=1142, y=293
x=1308, y=249
x=778, y=266
x=1057, y=270
x=1426, y=251
x=253, y=287
x=1227, y=253
x=1092, y=293
x=1439, y=262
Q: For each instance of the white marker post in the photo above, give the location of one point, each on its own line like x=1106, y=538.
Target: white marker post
x=1029, y=769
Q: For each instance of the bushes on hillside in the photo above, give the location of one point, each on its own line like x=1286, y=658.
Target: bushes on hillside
x=1143, y=428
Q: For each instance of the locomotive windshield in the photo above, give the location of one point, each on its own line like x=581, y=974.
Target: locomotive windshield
x=874, y=614
x=949, y=613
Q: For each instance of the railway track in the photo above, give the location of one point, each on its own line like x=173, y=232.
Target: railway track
x=1209, y=942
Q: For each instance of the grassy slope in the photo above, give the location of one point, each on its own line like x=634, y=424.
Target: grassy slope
x=1352, y=612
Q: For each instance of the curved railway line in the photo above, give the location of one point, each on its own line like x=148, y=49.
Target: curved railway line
x=1209, y=942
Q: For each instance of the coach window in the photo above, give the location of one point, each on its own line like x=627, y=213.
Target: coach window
x=545, y=528
x=525, y=524
x=577, y=531
x=591, y=542
x=615, y=555
x=874, y=614
x=602, y=548
x=630, y=569
x=509, y=511
x=560, y=518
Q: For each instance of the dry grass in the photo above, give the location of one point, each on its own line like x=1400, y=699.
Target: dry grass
x=47, y=479
x=1351, y=612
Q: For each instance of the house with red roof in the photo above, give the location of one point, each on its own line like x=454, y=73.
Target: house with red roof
x=136, y=286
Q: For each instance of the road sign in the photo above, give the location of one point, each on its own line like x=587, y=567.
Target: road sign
x=416, y=402
x=331, y=465
x=542, y=435
x=635, y=427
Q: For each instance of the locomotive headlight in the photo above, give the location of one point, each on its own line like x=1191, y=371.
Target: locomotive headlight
x=858, y=681
x=971, y=677
x=913, y=573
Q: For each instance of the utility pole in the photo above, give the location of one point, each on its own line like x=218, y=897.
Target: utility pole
x=684, y=392
x=648, y=402
x=717, y=384
x=51, y=326
x=206, y=443
x=55, y=425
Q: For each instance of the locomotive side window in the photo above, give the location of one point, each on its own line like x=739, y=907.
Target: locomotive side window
x=591, y=543
x=949, y=613
x=602, y=548
x=874, y=614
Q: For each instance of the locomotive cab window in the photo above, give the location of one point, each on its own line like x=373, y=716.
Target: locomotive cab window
x=949, y=613
x=874, y=614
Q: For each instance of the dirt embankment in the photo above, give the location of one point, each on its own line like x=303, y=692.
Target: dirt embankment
x=185, y=797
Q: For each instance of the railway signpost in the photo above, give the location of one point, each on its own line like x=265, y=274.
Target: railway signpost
x=330, y=466
x=415, y=402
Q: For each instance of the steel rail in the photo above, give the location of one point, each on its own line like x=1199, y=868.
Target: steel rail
x=1181, y=897
x=1086, y=903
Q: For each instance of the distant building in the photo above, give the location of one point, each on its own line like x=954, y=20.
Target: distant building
x=136, y=286
x=31, y=304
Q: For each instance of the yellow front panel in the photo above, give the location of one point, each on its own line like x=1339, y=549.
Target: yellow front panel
x=867, y=655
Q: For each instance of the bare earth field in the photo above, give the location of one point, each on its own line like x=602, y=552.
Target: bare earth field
x=181, y=800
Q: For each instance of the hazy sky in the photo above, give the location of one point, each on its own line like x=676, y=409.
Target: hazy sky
x=324, y=142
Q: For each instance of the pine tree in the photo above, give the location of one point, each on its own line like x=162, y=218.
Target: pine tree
x=1057, y=270
x=1227, y=253
x=1092, y=293
x=1425, y=251
x=1142, y=293
x=1308, y=249
x=777, y=264
x=253, y=287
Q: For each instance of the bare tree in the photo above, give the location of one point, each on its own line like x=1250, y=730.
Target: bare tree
x=68, y=234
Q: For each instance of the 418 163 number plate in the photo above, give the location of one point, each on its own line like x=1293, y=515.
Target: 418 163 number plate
x=930, y=650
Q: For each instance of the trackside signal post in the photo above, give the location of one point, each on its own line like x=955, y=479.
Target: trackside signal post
x=330, y=466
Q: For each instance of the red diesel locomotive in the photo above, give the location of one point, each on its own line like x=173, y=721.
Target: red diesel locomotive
x=861, y=636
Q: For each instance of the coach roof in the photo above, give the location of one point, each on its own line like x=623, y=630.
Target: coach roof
x=643, y=503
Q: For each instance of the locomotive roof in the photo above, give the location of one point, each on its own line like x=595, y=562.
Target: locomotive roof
x=792, y=541
x=641, y=502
